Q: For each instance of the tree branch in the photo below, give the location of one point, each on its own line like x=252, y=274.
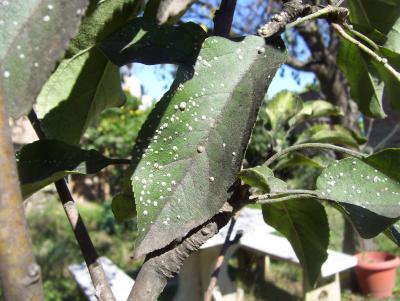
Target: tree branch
x=163, y=264
x=19, y=273
x=313, y=145
x=100, y=283
x=223, y=18
x=220, y=260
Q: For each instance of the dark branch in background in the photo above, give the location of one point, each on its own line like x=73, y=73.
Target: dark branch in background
x=221, y=257
x=19, y=273
x=164, y=264
x=223, y=18
x=100, y=283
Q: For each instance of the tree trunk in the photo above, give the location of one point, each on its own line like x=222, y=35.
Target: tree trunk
x=19, y=273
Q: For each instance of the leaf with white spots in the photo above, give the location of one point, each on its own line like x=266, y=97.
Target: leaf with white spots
x=45, y=161
x=33, y=36
x=85, y=83
x=143, y=40
x=191, y=148
x=370, y=197
x=304, y=223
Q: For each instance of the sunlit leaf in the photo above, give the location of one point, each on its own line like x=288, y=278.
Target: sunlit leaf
x=368, y=195
x=85, y=83
x=263, y=178
x=315, y=109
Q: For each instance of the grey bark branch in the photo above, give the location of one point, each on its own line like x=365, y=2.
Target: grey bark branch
x=19, y=273
x=163, y=264
x=100, y=283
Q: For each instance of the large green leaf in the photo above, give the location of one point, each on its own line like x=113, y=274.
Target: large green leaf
x=304, y=223
x=143, y=40
x=380, y=21
x=85, y=83
x=45, y=161
x=383, y=16
x=365, y=86
x=336, y=134
x=315, y=109
x=367, y=195
x=282, y=107
x=191, y=147
x=33, y=36
x=77, y=92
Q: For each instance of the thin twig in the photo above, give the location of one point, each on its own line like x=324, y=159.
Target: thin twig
x=359, y=35
x=313, y=145
x=367, y=50
x=97, y=274
x=327, y=12
x=220, y=260
x=383, y=142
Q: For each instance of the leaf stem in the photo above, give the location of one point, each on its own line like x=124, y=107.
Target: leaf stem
x=330, y=10
x=367, y=50
x=358, y=34
x=85, y=243
x=266, y=199
x=313, y=145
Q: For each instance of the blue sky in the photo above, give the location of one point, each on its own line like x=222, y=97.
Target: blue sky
x=156, y=80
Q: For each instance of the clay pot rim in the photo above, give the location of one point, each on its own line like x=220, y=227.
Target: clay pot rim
x=391, y=263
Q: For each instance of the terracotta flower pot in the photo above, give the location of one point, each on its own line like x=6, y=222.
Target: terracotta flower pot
x=376, y=273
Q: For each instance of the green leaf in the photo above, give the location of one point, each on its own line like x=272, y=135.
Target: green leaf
x=34, y=35
x=336, y=134
x=102, y=19
x=123, y=207
x=368, y=196
x=142, y=40
x=191, y=148
x=263, y=178
x=77, y=92
x=45, y=161
x=85, y=83
x=304, y=223
x=386, y=161
x=282, y=107
x=383, y=16
x=315, y=109
x=365, y=86
x=296, y=160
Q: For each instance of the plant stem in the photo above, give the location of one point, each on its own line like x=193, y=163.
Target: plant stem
x=220, y=260
x=97, y=274
x=338, y=12
x=20, y=275
x=358, y=34
x=367, y=50
x=313, y=145
x=266, y=199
